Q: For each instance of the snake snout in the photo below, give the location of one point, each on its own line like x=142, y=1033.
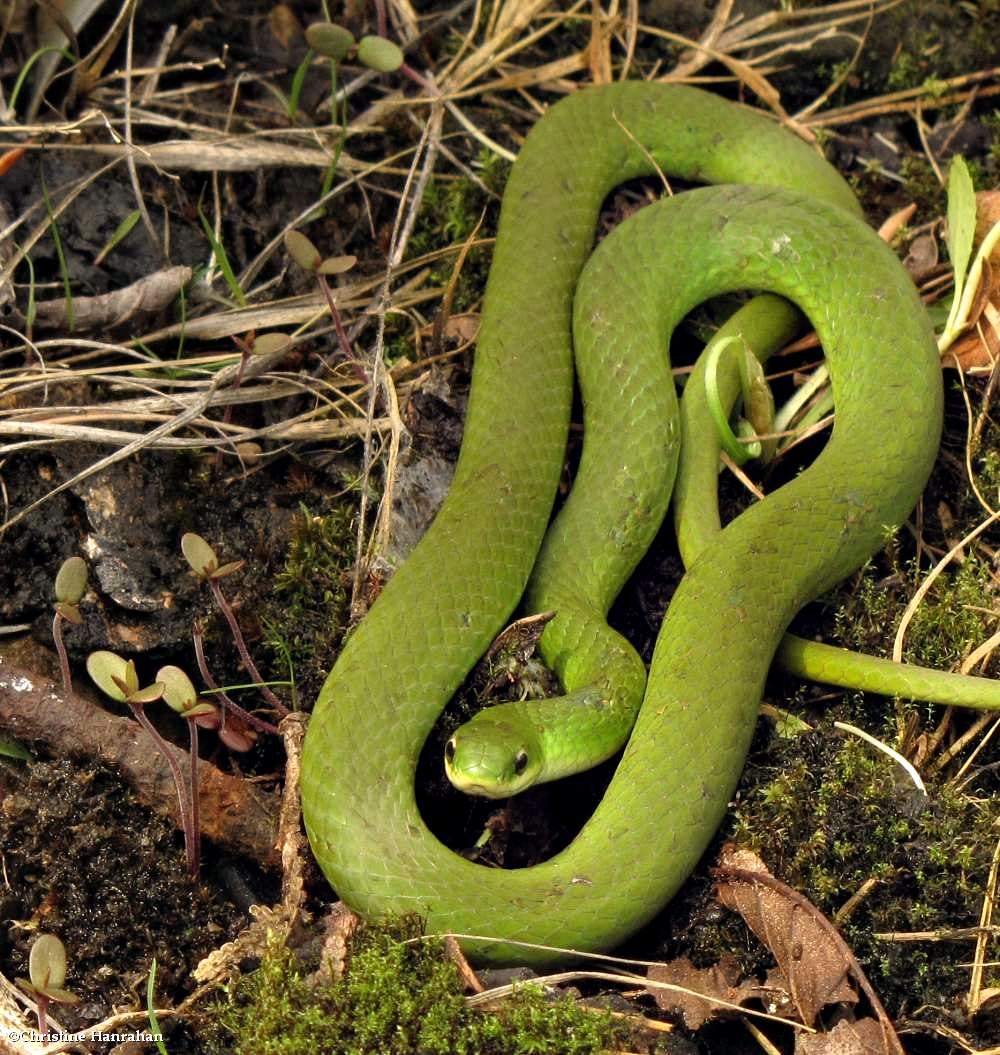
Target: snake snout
x=491, y=758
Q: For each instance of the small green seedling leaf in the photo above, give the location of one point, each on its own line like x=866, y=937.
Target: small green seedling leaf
x=961, y=220
x=47, y=963
x=71, y=580
x=962, y=212
x=228, y=569
x=109, y=672
x=69, y=612
x=178, y=691
x=271, y=343
x=61, y=996
x=786, y=725
x=330, y=40
x=302, y=251
x=730, y=444
x=118, y=678
x=150, y=694
x=131, y=677
x=337, y=265
x=199, y=554
x=154, y=1022
x=379, y=54
x=222, y=259
x=47, y=971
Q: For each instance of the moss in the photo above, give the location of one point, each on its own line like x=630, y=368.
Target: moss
x=450, y=211
x=923, y=187
x=307, y=615
x=835, y=815
x=921, y=43
x=397, y=996
x=955, y=612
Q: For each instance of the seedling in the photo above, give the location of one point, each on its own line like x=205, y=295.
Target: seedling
x=117, y=678
x=308, y=257
x=758, y=404
x=236, y=739
x=338, y=43
x=265, y=344
x=205, y=565
x=47, y=974
x=961, y=233
x=70, y=586
x=180, y=695
x=378, y=53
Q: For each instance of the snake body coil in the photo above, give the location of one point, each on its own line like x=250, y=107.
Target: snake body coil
x=442, y=608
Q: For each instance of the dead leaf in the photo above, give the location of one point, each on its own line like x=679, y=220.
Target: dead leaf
x=863, y=1037
x=284, y=25
x=989, y=1000
x=815, y=967
x=988, y=214
x=462, y=328
x=721, y=982
x=108, y=310
x=892, y=225
x=922, y=257
x=817, y=964
x=980, y=345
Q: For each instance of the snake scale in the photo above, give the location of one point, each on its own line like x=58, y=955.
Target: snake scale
x=781, y=220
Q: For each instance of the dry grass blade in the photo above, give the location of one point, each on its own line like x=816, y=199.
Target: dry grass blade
x=930, y=96
x=806, y=27
x=380, y=379
x=134, y=446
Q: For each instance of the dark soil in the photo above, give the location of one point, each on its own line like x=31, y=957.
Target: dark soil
x=80, y=858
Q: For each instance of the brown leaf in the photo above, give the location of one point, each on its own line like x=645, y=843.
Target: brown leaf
x=463, y=328
x=893, y=224
x=922, y=257
x=863, y=1037
x=815, y=967
x=107, y=310
x=816, y=962
x=987, y=214
x=284, y=25
x=707, y=989
x=978, y=347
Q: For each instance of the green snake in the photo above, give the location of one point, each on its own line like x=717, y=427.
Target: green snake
x=783, y=221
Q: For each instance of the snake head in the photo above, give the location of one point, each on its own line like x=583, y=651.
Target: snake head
x=492, y=757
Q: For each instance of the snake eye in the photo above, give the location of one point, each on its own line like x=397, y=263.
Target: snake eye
x=449, y=750
x=520, y=762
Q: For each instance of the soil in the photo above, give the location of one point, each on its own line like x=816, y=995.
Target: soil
x=81, y=856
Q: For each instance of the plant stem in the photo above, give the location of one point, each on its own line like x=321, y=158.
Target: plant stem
x=194, y=858
x=175, y=769
x=67, y=677
x=241, y=645
x=42, y=1008
x=338, y=324
x=227, y=704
